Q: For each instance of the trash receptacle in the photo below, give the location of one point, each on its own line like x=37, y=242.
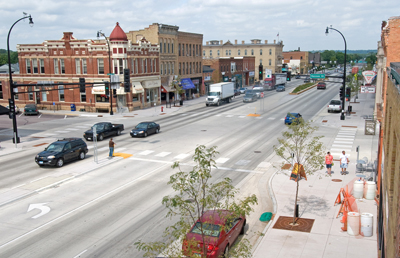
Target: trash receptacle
x=73, y=107
x=181, y=102
x=350, y=108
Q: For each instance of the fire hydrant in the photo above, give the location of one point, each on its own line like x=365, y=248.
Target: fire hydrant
x=162, y=109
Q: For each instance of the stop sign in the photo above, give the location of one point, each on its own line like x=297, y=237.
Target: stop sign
x=262, y=94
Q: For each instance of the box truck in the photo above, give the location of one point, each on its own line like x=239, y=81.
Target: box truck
x=219, y=92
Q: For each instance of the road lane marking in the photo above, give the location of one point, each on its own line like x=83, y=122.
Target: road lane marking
x=146, y=152
x=62, y=131
x=242, y=162
x=181, y=156
x=221, y=160
x=163, y=154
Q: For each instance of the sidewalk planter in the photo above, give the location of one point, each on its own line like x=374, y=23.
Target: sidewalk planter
x=353, y=223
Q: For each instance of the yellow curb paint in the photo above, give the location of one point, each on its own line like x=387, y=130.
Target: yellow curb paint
x=124, y=155
x=253, y=115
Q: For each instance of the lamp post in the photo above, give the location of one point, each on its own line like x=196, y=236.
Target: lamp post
x=99, y=33
x=344, y=69
x=12, y=98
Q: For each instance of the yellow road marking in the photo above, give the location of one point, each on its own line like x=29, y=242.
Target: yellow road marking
x=124, y=155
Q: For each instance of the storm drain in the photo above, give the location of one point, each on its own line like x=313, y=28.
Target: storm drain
x=302, y=225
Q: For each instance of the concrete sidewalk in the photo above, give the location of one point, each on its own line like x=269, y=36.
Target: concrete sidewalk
x=317, y=196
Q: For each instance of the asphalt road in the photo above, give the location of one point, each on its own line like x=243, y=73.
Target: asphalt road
x=103, y=209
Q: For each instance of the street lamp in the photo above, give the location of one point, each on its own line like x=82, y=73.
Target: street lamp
x=99, y=33
x=12, y=99
x=344, y=71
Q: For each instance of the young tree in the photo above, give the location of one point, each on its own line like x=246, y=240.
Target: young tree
x=178, y=90
x=195, y=194
x=306, y=149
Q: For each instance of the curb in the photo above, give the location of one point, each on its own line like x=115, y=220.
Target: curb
x=306, y=89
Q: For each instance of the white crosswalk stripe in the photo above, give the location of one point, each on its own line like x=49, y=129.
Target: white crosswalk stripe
x=146, y=152
x=242, y=162
x=271, y=118
x=221, y=160
x=181, y=156
x=163, y=154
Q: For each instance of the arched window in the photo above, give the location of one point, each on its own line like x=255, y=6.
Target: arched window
x=245, y=52
x=218, y=52
x=238, y=52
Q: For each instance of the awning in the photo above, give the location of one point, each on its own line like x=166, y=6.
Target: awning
x=99, y=90
x=187, y=84
x=4, y=110
x=166, y=89
x=137, y=88
x=121, y=91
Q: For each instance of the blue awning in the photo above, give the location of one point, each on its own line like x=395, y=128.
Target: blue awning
x=187, y=84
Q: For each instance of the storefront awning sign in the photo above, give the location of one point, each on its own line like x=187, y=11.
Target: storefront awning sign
x=99, y=89
x=187, y=84
x=137, y=88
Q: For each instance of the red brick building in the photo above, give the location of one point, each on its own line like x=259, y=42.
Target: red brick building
x=68, y=59
x=235, y=69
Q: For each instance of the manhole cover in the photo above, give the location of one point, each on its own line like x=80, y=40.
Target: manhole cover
x=337, y=180
x=257, y=151
x=302, y=225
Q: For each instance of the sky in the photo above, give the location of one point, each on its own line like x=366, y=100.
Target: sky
x=299, y=23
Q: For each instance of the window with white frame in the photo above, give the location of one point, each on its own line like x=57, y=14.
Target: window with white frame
x=100, y=65
x=41, y=63
x=270, y=51
x=165, y=68
x=162, y=66
x=173, y=68
x=269, y=62
x=229, y=52
x=136, y=66
x=83, y=97
x=204, y=53
x=169, y=68
x=151, y=65
x=155, y=65
x=252, y=52
x=233, y=67
x=61, y=93
x=28, y=66
x=35, y=66
x=260, y=52
x=145, y=65
x=78, y=66
x=44, y=94
x=238, y=52
x=245, y=52
x=226, y=52
x=62, y=66
x=56, y=70
x=210, y=52
x=84, y=66
x=121, y=66
x=260, y=61
x=30, y=89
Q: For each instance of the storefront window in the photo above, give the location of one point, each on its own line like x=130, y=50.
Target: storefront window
x=102, y=98
x=135, y=97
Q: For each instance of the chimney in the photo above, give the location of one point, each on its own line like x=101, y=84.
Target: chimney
x=242, y=41
x=207, y=43
x=221, y=41
x=266, y=41
x=299, y=49
x=274, y=41
x=235, y=41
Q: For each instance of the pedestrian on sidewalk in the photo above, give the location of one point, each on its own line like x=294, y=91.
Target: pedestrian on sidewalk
x=344, y=161
x=328, y=162
x=111, y=145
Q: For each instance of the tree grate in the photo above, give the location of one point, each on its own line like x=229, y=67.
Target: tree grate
x=302, y=225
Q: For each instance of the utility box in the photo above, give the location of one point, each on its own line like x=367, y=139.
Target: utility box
x=370, y=127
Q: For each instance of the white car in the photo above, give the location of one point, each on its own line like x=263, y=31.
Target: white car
x=335, y=106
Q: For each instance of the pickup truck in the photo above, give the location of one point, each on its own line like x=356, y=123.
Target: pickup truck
x=103, y=129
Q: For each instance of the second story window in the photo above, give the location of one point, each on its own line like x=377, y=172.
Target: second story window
x=252, y=52
x=210, y=52
x=56, y=71
x=238, y=52
x=62, y=66
x=260, y=52
x=245, y=52
x=84, y=66
x=229, y=52
x=100, y=65
x=41, y=63
x=78, y=66
x=28, y=66
x=35, y=66
x=270, y=51
x=204, y=53
x=226, y=52
x=218, y=52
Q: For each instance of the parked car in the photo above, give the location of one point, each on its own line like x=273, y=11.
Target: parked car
x=145, y=128
x=30, y=109
x=221, y=228
x=297, y=77
x=17, y=110
x=258, y=87
x=292, y=118
x=236, y=92
x=242, y=90
x=321, y=85
x=335, y=106
x=280, y=88
x=257, y=92
x=61, y=151
x=250, y=97
x=103, y=129
x=307, y=79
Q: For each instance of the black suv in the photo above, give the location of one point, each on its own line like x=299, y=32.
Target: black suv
x=61, y=151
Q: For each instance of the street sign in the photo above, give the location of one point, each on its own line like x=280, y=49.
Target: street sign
x=262, y=94
x=317, y=76
x=111, y=74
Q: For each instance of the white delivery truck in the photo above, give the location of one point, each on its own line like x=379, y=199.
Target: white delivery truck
x=219, y=92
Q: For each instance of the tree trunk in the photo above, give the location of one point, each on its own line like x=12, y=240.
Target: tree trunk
x=295, y=202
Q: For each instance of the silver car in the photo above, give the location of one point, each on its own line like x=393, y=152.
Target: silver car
x=335, y=106
x=249, y=97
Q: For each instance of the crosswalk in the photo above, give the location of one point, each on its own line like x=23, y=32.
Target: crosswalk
x=343, y=141
x=59, y=133
x=190, y=114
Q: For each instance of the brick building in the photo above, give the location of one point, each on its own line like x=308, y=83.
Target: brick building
x=180, y=57
x=297, y=61
x=235, y=69
x=267, y=54
x=68, y=59
x=388, y=114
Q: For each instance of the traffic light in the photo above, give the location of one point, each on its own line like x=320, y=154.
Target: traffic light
x=127, y=83
x=114, y=93
x=348, y=92
x=81, y=84
x=289, y=74
x=107, y=86
x=260, y=72
x=341, y=92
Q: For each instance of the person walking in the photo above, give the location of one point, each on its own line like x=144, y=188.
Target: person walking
x=328, y=162
x=344, y=161
x=111, y=145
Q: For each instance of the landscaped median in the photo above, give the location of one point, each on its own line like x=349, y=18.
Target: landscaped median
x=302, y=88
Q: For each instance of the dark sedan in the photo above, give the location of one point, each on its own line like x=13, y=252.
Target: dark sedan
x=280, y=88
x=321, y=85
x=145, y=128
x=31, y=109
